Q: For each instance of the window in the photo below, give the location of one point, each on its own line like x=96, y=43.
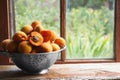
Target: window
x=7, y=20
x=90, y=29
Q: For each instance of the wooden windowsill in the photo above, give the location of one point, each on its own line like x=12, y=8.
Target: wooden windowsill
x=65, y=71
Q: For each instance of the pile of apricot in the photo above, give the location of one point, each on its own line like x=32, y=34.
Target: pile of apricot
x=33, y=38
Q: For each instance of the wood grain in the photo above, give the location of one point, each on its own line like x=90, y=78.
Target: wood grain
x=65, y=71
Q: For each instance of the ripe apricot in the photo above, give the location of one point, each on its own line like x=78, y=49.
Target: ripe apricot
x=45, y=47
x=38, y=28
x=60, y=41
x=12, y=46
x=47, y=35
x=19, y=36
x=24, y=47
x=35, y=38
x=54, y=36
x=35, y=23
x=4, y=44
x=27, y=29
x=55, y=47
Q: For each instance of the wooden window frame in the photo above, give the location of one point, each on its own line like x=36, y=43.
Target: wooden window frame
x=6, y=29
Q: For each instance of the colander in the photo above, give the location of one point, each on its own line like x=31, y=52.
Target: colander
x=34, y=63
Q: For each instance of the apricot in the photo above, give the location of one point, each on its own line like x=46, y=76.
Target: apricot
x=35, y=38
x=54, y=36
x=35, y=23
x=47, y=35
x=60, y=41
x=38, y=28
x=19, y=36
x=45, y=47
x=27, y=29
x=24, y=47
x=55, y=46
x=12, y=46
x=4, y=44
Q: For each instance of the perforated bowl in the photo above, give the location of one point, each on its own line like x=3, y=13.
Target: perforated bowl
x=34, y=63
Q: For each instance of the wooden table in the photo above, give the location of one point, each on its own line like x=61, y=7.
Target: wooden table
x=65, y=72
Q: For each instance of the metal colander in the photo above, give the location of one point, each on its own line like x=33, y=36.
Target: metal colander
x=34, y=63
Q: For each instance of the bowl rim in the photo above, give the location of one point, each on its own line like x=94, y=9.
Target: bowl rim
x=15, y=53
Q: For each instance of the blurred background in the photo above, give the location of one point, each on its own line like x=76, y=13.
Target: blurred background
x=89, y=24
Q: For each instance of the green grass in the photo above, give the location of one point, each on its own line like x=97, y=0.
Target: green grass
x=90, y=33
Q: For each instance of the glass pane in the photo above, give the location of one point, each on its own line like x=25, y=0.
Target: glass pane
x=90, y=29
x=46, y=11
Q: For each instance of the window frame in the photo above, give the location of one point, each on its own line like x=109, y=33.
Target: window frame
x=6, y=18
x=116, y=37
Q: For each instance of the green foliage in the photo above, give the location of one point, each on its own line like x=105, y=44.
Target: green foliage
x=90, y=33
x=27, y=11
x=96, y=4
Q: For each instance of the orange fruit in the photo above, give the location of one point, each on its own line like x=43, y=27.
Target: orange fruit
x=35, y=38
x=24, y=47
x=38, y=28
x=54, y=36
x=55, y=47
x=60, y=41
x=45, y=47
x=47, y=35
x=35, y=23
x=12, y=46
x=4, y=44
x=19, y=36
x=27, y=29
